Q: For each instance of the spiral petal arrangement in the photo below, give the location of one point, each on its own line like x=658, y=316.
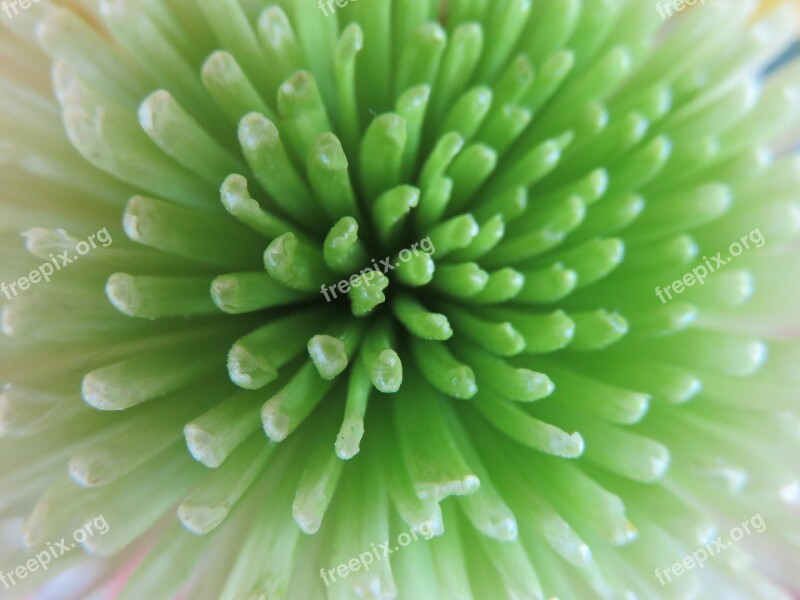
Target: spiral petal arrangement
x=387, y=267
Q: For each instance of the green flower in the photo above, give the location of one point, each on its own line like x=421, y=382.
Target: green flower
x=400, y=299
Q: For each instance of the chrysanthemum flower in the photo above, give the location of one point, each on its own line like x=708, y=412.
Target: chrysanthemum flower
x=384, y=270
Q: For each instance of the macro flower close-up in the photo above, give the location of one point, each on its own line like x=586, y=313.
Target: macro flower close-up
x=399, y=299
